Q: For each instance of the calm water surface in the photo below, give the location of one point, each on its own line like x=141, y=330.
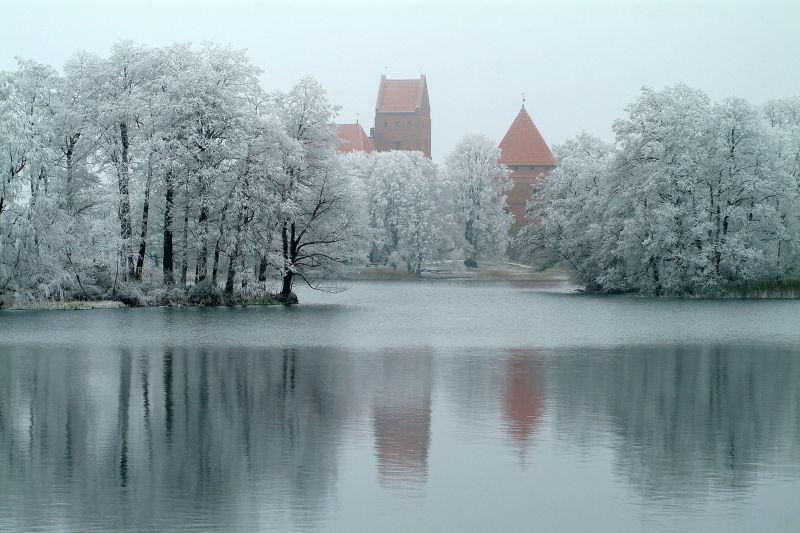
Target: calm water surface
x=405, y=407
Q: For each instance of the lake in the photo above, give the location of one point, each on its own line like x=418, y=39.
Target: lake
x=405, y=406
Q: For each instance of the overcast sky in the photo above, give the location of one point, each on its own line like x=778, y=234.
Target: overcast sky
x=578, y=62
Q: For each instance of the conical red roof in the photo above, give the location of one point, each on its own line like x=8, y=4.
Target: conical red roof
x=524, y=145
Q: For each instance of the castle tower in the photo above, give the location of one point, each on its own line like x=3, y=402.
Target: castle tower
x=526, y=154
x=403, y=116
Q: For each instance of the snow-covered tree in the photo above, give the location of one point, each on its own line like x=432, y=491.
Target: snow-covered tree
x=321, y=220
x=408, y=208
x=479, y=183
x=174, y=158
x=696, y=197
x=572, y=229
x=30, y=189
x=123, y=82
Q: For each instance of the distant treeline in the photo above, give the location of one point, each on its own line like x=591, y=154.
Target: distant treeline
x=694, y=197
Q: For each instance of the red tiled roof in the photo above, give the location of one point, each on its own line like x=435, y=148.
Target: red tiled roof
x=400, y=96
x=524, y=145
x=351, y=138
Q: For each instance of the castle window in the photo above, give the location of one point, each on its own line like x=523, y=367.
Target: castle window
x=397, y=145
x=385, y=124
x=397, y=123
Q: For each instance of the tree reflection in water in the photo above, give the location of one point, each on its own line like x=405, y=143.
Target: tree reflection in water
x=181, y=439
x=401, y=414
x=686, y=421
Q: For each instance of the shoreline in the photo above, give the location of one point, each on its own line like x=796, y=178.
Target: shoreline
x=491, y=271
x=445, y=271
x=455, y=270
x=65, y=305
x=85, y=305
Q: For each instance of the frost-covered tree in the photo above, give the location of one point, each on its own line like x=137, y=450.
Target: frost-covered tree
x=479, y=183
x=423, y=214
x=318, y=204
x=165, y=167
x=216, y=99
x=783, y=117
x=123, y=82
x=696, y=197
x=54, y=242
x=571, y=227
x=24, y=107
x=408, y=208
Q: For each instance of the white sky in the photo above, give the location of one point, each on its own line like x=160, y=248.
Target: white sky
x=578, y=62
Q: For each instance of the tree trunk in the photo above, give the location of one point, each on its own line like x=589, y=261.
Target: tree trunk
x=243, y=269
x=185, y=263
x=286, y=288
x=230, y=277
x=656, y=278
x=168, y=260
x=201, y=266
x=241, y=218
x=286, y=295
x=215, y=262
x=32, y=206
x=126, y=255
x=218, y=244
x=13, y=170
x=469, y=235
x=145, y=216
x=262, y=269
x=234, y=255
x=69, y=153
x=287, y=272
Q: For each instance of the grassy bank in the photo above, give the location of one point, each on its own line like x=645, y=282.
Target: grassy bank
x=82, y=305
x=789, y=288
x=70, y=305
x=769, y=289
x=203, y=294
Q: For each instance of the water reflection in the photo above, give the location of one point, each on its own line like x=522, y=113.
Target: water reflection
x=523, y=404
x=252, y=439
x=222, y=426
x=686, y=421
x=401, y=416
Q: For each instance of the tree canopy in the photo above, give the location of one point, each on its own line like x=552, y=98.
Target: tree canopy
x=154, y=175
x=694, y=197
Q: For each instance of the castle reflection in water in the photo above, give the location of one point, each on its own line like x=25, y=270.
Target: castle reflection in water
x=144, y=433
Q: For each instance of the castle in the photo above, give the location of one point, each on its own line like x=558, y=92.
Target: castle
x=525, y=153
x=403, y=122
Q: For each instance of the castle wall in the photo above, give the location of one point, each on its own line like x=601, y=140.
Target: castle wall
x=523, y=177
x=411, y=130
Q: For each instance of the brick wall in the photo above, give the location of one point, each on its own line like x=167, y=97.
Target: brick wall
x=523, y=177
x=411, y=130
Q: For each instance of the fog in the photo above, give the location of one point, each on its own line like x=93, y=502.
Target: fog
x=578, y=63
